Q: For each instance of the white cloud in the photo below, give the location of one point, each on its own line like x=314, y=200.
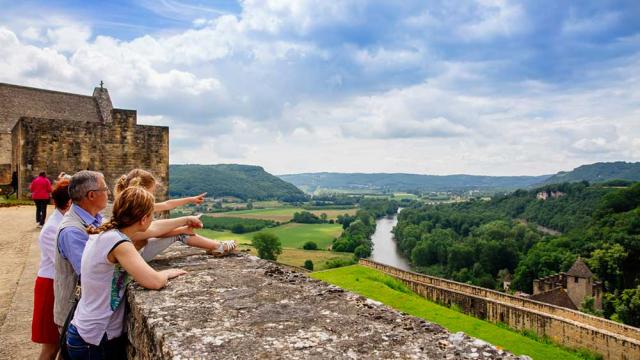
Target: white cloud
x=600, y=22
x=497, y=18
x=267, y=87
x=68, y=38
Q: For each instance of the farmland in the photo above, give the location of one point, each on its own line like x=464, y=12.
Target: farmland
x=283, y=214
x=293, y=236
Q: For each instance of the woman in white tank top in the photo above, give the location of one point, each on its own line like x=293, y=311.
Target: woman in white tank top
x=109, y=262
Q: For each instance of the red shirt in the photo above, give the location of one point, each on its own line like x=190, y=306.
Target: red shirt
x=40, y=188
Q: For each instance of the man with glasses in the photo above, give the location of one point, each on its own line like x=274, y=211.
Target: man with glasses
x=89, y=193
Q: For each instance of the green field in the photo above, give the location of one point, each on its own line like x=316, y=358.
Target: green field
x=280, y=214
x=401, y=196
x=378, y=286
x=293, y=236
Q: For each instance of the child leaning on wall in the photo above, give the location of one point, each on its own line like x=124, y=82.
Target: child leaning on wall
x=154, y=246
x=109, y=261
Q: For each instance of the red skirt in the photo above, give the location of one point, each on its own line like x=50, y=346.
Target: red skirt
x=43, y=329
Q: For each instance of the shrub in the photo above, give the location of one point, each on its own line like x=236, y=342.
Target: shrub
x=336, y=263
x=238, y=229
x=310, y=245
x=362, y=251
x=268, y=245
x=306, y=217
x=236, y=225
x=308, y=264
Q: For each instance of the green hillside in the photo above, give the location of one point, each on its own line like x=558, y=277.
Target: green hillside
x=242, y=181
x=397, y=182
x=599, y=172
x=478, y=242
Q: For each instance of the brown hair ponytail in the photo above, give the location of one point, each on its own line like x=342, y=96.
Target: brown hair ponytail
x=135, y=177
x=130, y=206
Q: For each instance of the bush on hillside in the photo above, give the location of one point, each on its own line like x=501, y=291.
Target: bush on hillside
x=236, y=225
x=336, y=263
x=305, y=217
x=268, y=245
x=310, y=245
x=308, y=264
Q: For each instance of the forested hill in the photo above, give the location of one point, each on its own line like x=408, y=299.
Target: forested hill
x=242, y=181
x=599, y=172
x=480, y=241
x=310, y=182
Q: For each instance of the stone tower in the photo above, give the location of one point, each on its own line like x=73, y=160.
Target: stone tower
x=581, y=284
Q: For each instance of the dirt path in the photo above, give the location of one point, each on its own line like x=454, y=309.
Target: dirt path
x=19, y=259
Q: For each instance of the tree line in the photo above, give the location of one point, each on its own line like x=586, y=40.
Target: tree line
x=478, y=242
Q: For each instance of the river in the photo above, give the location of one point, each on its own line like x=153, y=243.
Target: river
x=385, y=250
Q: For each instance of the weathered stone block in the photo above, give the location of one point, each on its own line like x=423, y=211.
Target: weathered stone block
x=245, y=307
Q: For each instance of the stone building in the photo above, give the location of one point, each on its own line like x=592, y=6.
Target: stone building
x=53, y=131
x=569, y=289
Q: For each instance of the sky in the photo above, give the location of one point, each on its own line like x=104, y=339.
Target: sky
x=430, y=87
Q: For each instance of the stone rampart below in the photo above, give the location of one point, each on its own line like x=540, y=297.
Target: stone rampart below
x=567, y=327
x=242, y=307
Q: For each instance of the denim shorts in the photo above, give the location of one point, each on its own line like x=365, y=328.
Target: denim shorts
x=78, y=349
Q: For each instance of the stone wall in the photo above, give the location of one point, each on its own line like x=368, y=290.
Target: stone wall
x=242, y=307
x=567, y=327
x=5, y=158
x=21, y=101
x=113, y=148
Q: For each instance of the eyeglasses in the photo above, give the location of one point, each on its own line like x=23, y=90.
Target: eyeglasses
x=96, y=190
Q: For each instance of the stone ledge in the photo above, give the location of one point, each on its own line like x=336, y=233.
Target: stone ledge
x=245, y=307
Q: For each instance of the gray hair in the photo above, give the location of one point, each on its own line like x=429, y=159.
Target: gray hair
x=82, y=182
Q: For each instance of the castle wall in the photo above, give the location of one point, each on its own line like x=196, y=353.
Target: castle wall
x=5, y=158
x=113, y=148
x=21, y=101
x=567, y=327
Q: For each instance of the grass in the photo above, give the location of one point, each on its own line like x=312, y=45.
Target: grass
x=280, y=214
x=297, y=257
x=378, y=286
x=401, y=196
x=12, y=201
x=291, y=235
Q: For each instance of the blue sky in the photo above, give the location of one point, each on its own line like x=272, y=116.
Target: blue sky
x=434, y=87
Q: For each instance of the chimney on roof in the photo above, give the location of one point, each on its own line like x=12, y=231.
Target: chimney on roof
x=101, y=94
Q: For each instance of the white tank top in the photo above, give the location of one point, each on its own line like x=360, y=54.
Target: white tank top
x=101, y=308
x=47, y=240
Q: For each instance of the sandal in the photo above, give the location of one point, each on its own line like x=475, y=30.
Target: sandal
x=225, y=248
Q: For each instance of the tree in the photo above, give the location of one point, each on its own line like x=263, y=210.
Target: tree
x=628, y=307
x=310, y=245
x=362, y=251
x=268, y=245
x=607, y=263
x=308, y=264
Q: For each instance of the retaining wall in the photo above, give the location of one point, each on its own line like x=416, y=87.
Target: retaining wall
x=567, y=327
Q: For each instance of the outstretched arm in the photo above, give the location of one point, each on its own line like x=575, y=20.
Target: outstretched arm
x=174, y=203
x=160, y=228
x=125, y=254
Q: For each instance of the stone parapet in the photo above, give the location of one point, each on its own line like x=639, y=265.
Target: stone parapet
x=245, y=307
x=564, y=326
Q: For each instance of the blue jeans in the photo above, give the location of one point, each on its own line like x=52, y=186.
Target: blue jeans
x=78, y=349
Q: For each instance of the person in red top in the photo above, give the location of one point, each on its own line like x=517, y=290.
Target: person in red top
x=40, y=189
